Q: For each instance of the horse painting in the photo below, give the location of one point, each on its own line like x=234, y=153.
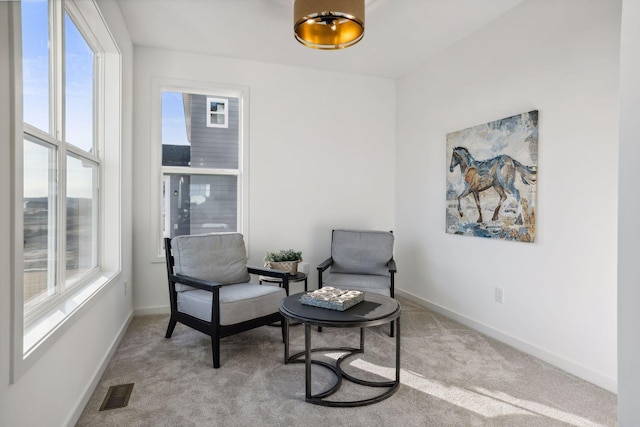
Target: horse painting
x=498, y=173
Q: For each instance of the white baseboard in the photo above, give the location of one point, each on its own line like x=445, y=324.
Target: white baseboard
x=148, y=311
x=606, y=382
x=88, y=392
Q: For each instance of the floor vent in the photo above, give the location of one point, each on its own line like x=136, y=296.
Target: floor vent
x=117, y=397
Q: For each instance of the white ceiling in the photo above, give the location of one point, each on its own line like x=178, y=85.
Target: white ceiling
x=399, y=34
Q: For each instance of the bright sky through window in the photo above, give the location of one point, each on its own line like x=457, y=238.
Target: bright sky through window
x=78, y=88
x=174, y=131
x=35, y=63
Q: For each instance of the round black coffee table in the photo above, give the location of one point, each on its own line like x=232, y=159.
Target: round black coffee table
x=373, y=311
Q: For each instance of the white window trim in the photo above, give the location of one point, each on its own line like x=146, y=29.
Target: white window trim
x=210, y=113
x=159, y=85
x=28, y=345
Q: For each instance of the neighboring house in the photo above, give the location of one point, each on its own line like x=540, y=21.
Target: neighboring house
x=203, y=203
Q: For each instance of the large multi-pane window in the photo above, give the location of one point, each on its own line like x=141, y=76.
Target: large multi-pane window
x=200, y=165
x=61, y=165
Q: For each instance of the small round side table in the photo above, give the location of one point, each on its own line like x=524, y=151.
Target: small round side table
x=298, y=277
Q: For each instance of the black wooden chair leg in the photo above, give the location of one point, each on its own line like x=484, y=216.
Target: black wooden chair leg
x=171, y=327
x=215, y=347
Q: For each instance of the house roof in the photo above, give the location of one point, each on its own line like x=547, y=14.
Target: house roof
x=176, y=155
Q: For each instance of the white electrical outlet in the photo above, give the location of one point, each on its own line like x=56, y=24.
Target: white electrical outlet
x=499, y=295
x=303, y=267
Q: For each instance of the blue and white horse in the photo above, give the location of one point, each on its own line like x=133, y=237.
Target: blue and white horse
x=498, y=173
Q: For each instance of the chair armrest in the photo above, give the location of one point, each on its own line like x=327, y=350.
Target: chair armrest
x=392, y=266
x=196, y=283
x=321, y=268
x=283, y=275
x=268, y=272
x=325, y=264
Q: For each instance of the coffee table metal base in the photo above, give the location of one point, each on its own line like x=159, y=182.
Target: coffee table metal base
x=320, y=398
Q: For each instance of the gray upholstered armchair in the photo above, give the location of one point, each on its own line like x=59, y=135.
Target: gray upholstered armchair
x=209, y=287
x=360, y=260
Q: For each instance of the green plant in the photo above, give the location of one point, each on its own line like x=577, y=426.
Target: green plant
x=283, y=255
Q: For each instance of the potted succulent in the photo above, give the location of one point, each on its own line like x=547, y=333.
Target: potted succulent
x=285, y=260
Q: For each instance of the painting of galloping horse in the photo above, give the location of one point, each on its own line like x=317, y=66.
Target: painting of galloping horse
x=492, y=174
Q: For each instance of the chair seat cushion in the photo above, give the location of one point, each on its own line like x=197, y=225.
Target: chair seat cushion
x=238, y=303
x=359, y=282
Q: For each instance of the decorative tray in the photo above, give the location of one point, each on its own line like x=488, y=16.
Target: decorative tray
x=332, y=298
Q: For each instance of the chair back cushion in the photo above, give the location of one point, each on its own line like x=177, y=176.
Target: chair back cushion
x=218, y=258
x=361, y=252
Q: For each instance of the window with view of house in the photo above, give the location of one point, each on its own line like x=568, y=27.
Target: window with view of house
x=201, y=164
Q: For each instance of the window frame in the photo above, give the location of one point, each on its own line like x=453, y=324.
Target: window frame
x=210, y=90
x=33, y=336
x=56, y=137
x=210, y=114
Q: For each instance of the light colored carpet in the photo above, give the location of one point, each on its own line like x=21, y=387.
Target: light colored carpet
x=451, y=376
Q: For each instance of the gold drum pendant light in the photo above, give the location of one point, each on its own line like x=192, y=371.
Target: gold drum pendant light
x=328, y=24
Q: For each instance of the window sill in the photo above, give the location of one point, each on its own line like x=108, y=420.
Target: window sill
x=40, y=335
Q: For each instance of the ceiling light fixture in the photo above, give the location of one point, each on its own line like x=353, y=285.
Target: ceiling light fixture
x=328, y=24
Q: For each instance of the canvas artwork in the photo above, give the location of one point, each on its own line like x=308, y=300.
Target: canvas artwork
x=491, y=179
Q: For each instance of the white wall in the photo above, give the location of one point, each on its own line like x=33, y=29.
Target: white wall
x=561, y=58
x=628, y=229
x=53, y=392
x=321, y=156
x=557, y=56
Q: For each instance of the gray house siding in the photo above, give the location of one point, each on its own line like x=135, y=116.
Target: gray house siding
x=213, y=147
x=204, y=203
